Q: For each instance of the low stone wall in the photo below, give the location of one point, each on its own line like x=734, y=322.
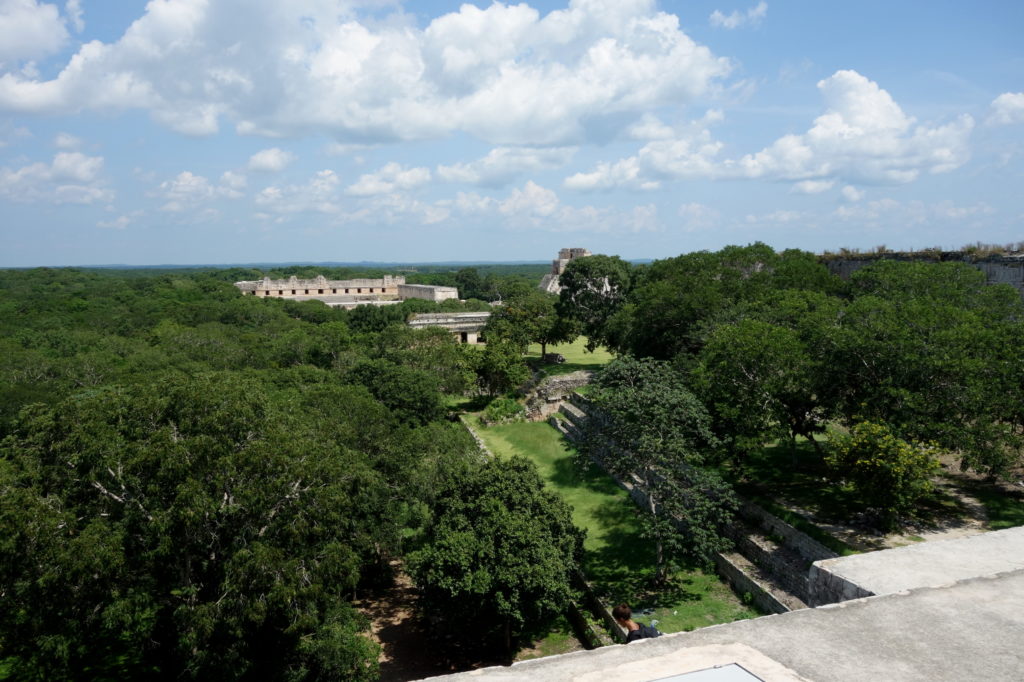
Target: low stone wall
x=792, y=577
x=744, y=584
x=804, y=544
x=544, y=399
x=479, y=441
x=997, y=269
x=826, y=587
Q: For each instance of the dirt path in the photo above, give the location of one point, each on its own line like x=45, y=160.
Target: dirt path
x=405, y=650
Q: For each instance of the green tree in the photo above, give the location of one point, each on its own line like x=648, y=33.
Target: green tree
x=759, y=380
x=531, y=318
x=499, y=555
x=594, y=289
x=649, y=430
x=889, y=474
x=180, y=530
x=500, y=367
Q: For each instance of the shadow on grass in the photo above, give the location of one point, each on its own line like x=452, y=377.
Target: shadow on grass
x=569, y=474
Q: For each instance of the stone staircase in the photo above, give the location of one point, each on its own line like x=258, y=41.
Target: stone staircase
x=771, y=560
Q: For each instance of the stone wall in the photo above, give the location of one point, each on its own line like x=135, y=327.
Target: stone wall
x=826, y=587
x=808, y=547
x=427, y=292
x=744, y=584
x=997, y=269
x=545, y=398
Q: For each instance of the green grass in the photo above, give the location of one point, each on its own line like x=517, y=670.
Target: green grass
x=559, y=639
x=577, y=357
x=1004, y=509
x=618, y=563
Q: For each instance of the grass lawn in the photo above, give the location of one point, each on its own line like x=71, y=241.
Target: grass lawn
x=576, y=357
x=619, y=563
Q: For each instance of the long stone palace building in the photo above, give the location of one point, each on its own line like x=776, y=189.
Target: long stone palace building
x=346, y=293
x=391, y=289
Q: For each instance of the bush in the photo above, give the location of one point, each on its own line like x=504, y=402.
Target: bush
x=503, y=410
x=890, y=475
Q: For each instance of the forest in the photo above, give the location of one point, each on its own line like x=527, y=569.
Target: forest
x=196, y=484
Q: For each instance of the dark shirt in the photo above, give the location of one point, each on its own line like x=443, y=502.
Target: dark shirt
x=643, y=632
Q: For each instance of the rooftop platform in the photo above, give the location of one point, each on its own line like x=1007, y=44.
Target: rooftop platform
x=950, y=610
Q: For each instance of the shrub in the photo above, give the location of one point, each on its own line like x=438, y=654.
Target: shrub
x=502, y=410
x=890, y=475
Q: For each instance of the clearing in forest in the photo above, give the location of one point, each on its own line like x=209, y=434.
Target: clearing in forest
x=619, y=563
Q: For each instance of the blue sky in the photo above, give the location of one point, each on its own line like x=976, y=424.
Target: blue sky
x=230, y=131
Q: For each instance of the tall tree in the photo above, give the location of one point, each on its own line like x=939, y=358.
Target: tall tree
x=649, y=430
x=180, y=531
x=531, y=318
x=593, y=291
x=500, y=553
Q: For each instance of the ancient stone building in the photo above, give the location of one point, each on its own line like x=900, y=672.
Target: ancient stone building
x=346, y=293
x=466, y=327
x=550, y=281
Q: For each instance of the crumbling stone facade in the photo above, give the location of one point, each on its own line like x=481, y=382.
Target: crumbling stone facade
x=346, y=293
x=550, y=281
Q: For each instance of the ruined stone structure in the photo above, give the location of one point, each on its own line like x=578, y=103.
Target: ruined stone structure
x=427, y=292
x=550, y=281
x=346, y=293
x=1007, y=269
x=466, y=327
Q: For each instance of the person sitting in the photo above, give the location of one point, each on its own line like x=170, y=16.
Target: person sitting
x=623, y=615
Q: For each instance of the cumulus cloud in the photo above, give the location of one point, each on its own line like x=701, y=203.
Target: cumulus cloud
x=1007, y=108
x=503, y=164
x=696, y=216
x=66, y=141
x=735, y=19
x=29, y=30
x=862, y=137
x=813, y=186
x=540, y=208
x=390, y=178
x=188, y=191
x=888, y=211
x=851, y=193
x=121, y=222
x=505, y=74
x=74, y=13
x=270, y=160
x=318, y=195
x=71, y=178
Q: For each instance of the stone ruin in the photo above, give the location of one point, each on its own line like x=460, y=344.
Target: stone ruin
x=550, y=282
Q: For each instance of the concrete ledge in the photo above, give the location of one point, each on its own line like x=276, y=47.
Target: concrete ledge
x=928, y=564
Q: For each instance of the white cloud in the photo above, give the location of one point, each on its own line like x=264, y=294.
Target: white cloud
x=503, y=164
x=66, y=141
x=736, y=18
x=532, y=201
x=813, y=186
x=698, y=216
x=504, y=74
x=319, y=195
x=650, y=127
x=779, y=217
x=73, y=11
x=537, y=207
x=29, y=30
x=71, y=178
x=1007, y=108
x=121, y=222
x=890, y=212
x=270, y=160
x=863, y=137
x=387, y=179
x=851, y=193
x=188, y=191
